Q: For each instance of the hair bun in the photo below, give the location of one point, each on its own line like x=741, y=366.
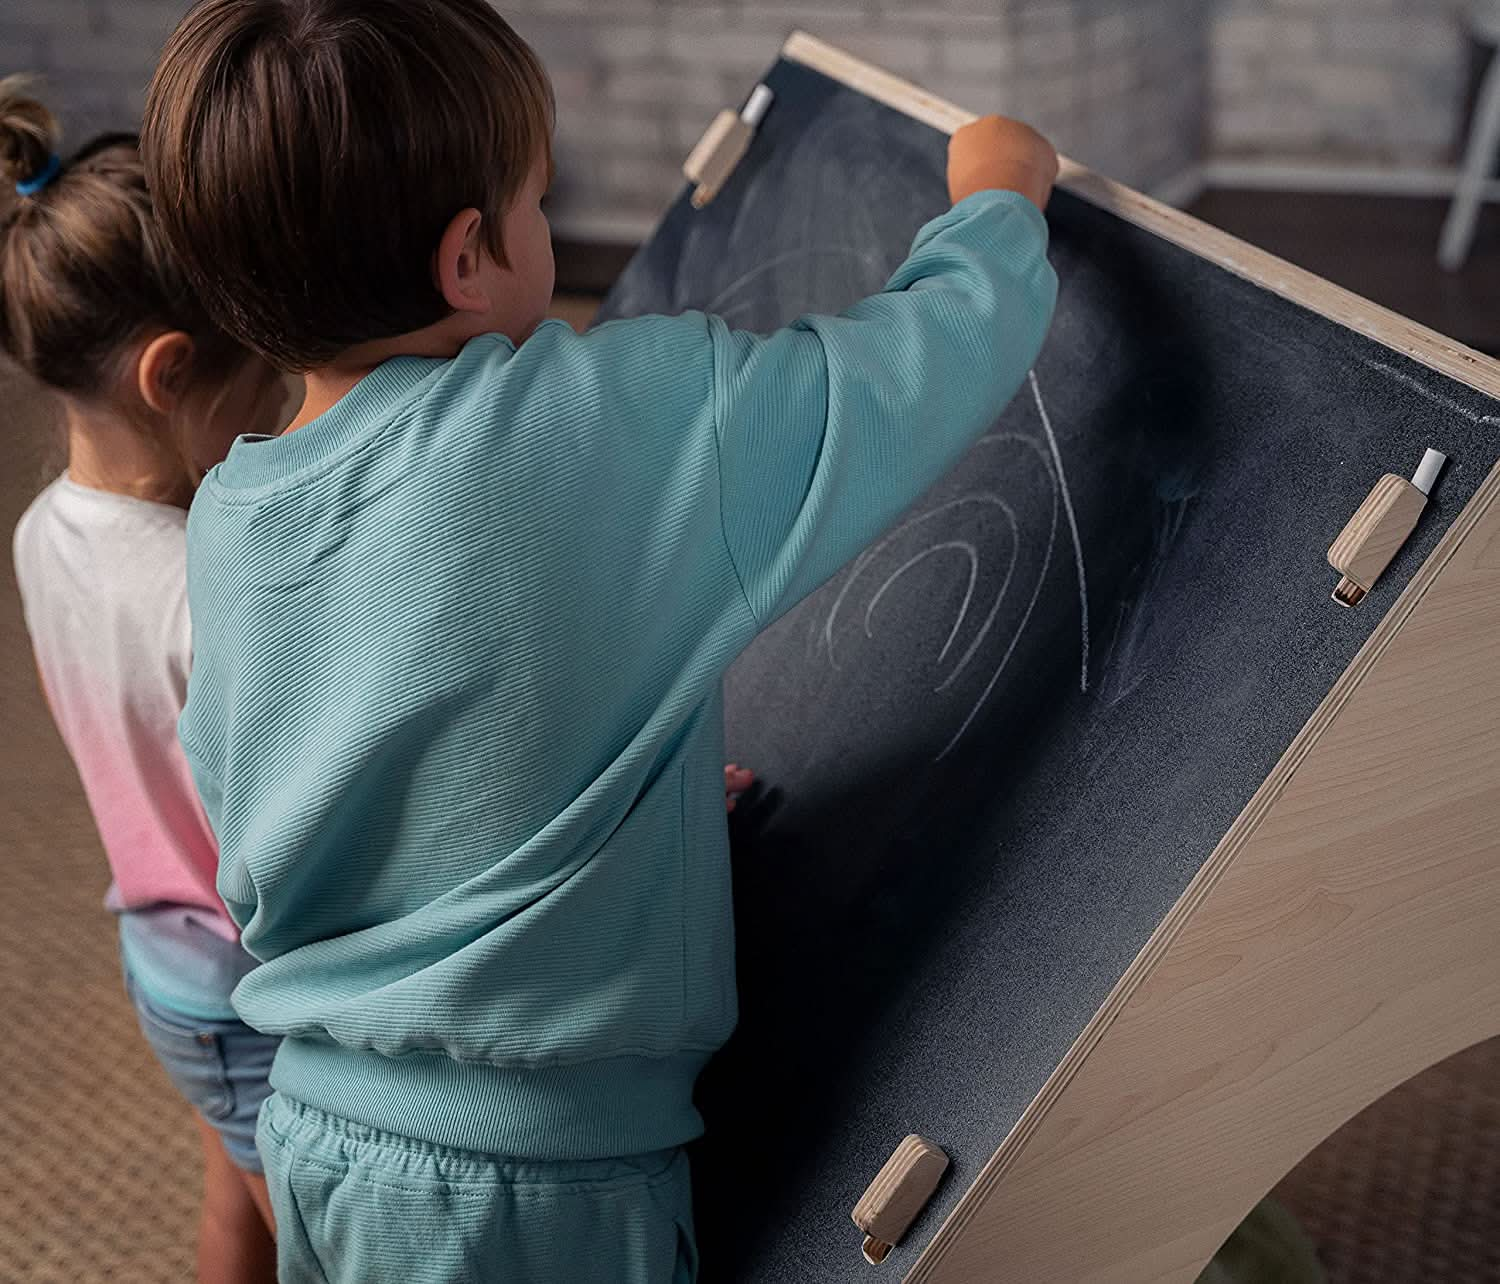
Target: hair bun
x=29, y=133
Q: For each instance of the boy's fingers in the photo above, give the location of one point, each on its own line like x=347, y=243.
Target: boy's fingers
x=999, y=154
x=736, y=780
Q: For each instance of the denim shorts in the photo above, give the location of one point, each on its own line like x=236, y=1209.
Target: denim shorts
x=222, y=1067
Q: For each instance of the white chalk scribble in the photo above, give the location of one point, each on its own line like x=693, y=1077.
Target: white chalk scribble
x=1049, y=456
x=1067, y=499
x=1421, y=389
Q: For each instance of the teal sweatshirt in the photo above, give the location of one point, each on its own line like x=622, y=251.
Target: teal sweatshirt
x=454, y=708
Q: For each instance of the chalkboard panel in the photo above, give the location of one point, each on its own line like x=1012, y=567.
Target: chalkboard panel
x=997, y=746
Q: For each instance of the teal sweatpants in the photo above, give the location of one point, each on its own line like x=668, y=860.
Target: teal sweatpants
x=356, y=1204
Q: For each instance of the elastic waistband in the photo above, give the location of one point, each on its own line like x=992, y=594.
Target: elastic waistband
x=591, y=1110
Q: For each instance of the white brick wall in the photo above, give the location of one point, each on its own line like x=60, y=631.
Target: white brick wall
x=1136, y=88
x=1118, y=83
x=1371, y=82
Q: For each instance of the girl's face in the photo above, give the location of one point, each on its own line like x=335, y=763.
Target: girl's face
x=256, y=399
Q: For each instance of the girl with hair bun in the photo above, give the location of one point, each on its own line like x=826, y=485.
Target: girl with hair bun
x=150, y=395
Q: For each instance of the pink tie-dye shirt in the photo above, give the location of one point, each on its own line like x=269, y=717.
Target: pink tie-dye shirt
x=103, y=583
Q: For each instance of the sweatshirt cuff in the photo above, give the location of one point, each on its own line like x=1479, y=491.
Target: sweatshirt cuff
x=979, y=204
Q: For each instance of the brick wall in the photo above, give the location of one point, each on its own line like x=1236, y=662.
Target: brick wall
x=1118, y=83
x=1375, y=82
x=1136, y=88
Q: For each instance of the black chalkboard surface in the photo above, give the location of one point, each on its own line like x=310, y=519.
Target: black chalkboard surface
x=997, y=746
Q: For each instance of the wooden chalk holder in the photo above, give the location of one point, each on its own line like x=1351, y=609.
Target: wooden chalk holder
x=713, y=160
x=899, y=1192
x=1378, y=529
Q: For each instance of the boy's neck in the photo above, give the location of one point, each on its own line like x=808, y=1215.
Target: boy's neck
x=328, y=385
x=322, y=390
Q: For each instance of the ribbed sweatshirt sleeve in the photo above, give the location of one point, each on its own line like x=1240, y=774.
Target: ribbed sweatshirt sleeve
x=829, y=429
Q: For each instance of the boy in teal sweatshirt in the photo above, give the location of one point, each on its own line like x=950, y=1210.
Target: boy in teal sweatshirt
x=459, y=632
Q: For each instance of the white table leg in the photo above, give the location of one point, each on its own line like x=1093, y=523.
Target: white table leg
x=1484, y=139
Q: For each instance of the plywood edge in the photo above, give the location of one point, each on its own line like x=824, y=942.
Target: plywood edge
x=875, y=82
x=1204, y=881
x=1295, y=284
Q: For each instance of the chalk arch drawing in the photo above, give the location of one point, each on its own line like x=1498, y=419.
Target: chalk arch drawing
x=991, y=534
x=931, y=531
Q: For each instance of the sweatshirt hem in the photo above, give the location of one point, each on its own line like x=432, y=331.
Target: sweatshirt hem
x=592, y=1110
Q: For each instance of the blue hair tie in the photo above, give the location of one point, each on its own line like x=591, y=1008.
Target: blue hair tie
x=36, y=182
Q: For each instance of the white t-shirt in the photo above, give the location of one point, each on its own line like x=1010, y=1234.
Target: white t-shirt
x=104, y=587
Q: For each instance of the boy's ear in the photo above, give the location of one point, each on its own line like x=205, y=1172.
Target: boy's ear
x=456, y=266
x=162, y=370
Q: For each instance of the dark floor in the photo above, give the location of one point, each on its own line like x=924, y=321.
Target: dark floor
x=1382, y=247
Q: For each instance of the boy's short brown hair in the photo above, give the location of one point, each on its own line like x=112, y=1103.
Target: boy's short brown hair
x=306, y=155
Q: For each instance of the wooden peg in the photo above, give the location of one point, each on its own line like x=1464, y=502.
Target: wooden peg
x=712, y=161
x=899, y=1192
x=1378, y=529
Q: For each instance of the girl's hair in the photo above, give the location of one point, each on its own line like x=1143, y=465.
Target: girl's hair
x=84, y=268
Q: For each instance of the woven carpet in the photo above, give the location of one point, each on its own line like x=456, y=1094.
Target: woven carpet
x=98, y=1158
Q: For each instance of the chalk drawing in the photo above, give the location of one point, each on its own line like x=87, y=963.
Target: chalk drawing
x=1437, y=400
x=922, y=519
x=1067, y=498
x=1049, y=456
x=958, y=545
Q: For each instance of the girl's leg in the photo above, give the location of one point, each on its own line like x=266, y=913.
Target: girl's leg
x=255, y=1183
x=234, y=1244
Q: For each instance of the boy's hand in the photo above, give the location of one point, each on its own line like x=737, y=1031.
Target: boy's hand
x=737, y=779
x=993, y=153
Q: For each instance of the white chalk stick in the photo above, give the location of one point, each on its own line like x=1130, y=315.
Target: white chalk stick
x=1428, y=470
x=754, y=111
